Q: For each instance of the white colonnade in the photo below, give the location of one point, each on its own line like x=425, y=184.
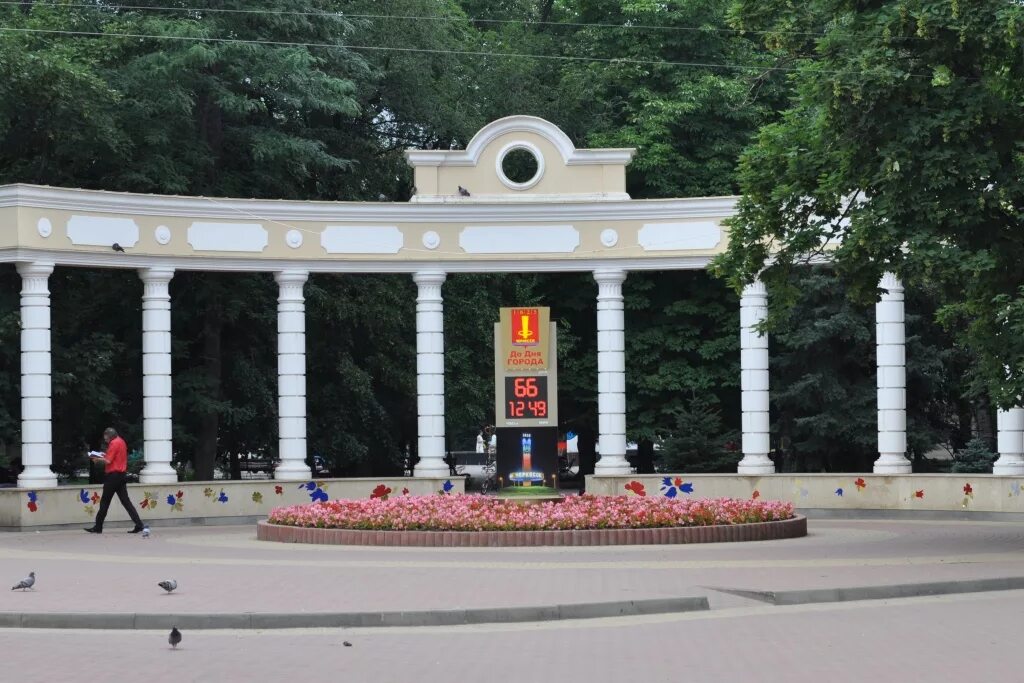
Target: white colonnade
x=156, y=376
x=611, y=372
x=430, y=374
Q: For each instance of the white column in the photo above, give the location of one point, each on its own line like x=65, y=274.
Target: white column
x=291, y=376
x=754, y=381
x=892, y=379
x=611, y=373
x=430, y=374
x=36, y=429
x=156, y=376
x=1010, y=425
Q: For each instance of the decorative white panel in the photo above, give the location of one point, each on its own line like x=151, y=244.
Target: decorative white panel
x=98, y=231
x=362, y=239
x=519, y=239
x=162, y=234
x=44, y=227
x=679, y=236
x=227, y=237
x=293, y=239
x=431, y=240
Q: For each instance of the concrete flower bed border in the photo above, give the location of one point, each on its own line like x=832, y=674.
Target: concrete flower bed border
x=725, y=533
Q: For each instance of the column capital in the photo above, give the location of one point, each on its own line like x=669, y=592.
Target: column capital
x=291, y=277
x=34, y=268
x=890, y=283
x=610, y=276
x=156, y=275
x=755, y=290
x=426, y=278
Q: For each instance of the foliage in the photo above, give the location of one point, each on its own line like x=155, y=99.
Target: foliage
x=904, y=149
x=699, y=441
x=975, y=457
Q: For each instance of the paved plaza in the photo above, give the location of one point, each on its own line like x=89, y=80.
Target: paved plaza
x=224, y=570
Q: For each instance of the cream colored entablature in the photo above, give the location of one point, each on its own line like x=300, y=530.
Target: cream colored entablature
x=574, y=216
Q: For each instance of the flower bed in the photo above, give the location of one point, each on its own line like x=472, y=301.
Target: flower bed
x=479, y=513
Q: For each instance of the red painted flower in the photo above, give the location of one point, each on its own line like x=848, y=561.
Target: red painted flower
x=381, y=491
x=678, y=482
x=95, y=498
x=144, y=504
x=968, y=490
x=179, y=494
x=405, y=491
x=636, y=488
x=278, y=490
x=919, y=494
x=756, y=494
x=860, y=483
x=32, y=506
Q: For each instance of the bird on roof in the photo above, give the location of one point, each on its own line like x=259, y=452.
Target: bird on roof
x=463, y=191
x=117, y=247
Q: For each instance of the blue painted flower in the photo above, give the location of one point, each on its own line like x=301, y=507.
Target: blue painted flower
x=448, y=486
x=83, y=495
x=839, y=492
x=318, y=495
x=671, y=488
x=170, y=499
x=309, y=486
x=671, y=492
x=33, y=497
x=687, y=487
x=223, y=497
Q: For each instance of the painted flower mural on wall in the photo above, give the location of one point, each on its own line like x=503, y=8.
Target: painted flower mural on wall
x=316, y=491
x=33, y=501
x=381, y=491
x=223, y=497
x=257, y=497
x=860, y=484
x=148, y=501
x=670, y=487
x=174, y=500
x=636, y=488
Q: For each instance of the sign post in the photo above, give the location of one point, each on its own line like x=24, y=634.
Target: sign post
x=526, y=396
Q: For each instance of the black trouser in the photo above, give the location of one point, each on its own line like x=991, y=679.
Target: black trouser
x=116, y=482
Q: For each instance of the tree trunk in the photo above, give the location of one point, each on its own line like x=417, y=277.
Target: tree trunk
x=206, y=446
x=644, y=457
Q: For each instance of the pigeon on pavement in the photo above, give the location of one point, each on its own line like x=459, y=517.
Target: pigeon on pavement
x=346, y=643
x=175, y=637
x=168, y=585
x=145, y=532
x=27, y=582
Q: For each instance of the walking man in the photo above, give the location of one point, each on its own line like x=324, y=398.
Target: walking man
x=114, y=481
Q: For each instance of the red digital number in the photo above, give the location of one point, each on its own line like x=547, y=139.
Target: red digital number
x=525, y=387
x=539, y=408
x=516, y=408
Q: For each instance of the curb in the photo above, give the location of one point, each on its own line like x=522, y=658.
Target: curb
x=724, y=533
x=888, y=592
x=452, y=617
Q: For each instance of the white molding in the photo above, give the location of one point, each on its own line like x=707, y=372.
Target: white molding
x=519, y=124
x=362, y=239
x=102, y=231
x=266, y=265
x=550, y=208
x=679, y=236
x=519, y=239
x=246, y=237
x=538, y=156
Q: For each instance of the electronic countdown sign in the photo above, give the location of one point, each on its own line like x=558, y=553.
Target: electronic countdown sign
x=526, y=397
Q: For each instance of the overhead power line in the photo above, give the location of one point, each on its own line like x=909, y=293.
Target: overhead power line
x=443, y=18
x=468, y=53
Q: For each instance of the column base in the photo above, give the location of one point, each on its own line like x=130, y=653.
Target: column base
x=37, y=478
x=892, y=463
x=428, y=469
x=158, y=474
x=755, y=463
x=289, y=471
x=1009, y=465
x=612, y=464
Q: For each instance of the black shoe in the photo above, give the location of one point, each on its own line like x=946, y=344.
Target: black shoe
x=94, y=530
x=136, y=529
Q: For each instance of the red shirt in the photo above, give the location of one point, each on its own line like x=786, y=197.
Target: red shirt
x=116, y=455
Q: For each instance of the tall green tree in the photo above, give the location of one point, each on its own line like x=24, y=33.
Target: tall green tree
x=903, y=148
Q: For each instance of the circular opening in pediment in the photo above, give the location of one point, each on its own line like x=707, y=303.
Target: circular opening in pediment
x=520, y=166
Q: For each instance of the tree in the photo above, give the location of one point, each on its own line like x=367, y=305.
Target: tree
x=903, y=149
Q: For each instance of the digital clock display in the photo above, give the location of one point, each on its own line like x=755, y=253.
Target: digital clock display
x=526, y=398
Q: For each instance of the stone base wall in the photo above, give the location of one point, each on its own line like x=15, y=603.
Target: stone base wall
x=198, y=502
x=963, y=493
